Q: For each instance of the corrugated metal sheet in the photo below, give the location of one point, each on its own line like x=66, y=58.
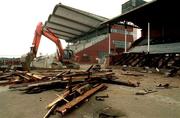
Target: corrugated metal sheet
x=68, y=23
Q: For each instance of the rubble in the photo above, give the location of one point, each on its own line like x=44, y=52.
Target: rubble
x=77, y=85
x=145, y=91
x=101, y=98
x=85, y=94
x=166, y=86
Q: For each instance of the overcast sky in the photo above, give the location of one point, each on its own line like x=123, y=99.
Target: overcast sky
x=20, y=17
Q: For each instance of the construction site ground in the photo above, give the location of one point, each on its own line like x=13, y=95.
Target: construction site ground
x=122, y=101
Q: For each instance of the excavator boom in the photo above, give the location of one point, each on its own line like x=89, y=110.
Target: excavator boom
x=35, y=45
x=50, y=35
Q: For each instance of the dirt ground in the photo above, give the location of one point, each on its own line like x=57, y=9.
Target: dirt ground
x=122, y=101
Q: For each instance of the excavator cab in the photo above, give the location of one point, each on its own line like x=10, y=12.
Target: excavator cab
x=68, y=54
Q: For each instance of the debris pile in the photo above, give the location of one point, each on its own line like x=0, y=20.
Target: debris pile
x=78, y=85
x=19, y=77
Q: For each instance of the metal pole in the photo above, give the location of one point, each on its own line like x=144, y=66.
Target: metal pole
x=148, y=37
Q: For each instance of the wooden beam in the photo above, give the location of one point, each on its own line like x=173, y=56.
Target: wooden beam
x=64, y=108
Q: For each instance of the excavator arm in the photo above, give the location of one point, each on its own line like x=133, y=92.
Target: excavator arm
x=26, y=61
x=63, y=56
x=50, y=35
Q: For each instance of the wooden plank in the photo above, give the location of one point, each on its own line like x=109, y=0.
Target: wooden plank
x=24, y=77
x=50, y=111
x=35, y=76
x=119, y=82
x=76, y=74
x=61, y=97
x=92, y=76
x=4, y=76
x=4, y=82
x=64, y=108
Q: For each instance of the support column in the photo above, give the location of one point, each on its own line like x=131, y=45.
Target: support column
x=125, y=36
x=109, y=43
x=109, y=37
x=148, y=48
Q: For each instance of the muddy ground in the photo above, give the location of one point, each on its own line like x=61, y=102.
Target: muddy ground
x=122, y=101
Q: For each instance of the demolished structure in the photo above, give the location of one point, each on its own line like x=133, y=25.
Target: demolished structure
x=93, y=38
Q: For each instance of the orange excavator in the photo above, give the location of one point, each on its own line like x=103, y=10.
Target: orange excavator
x=64, y=56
